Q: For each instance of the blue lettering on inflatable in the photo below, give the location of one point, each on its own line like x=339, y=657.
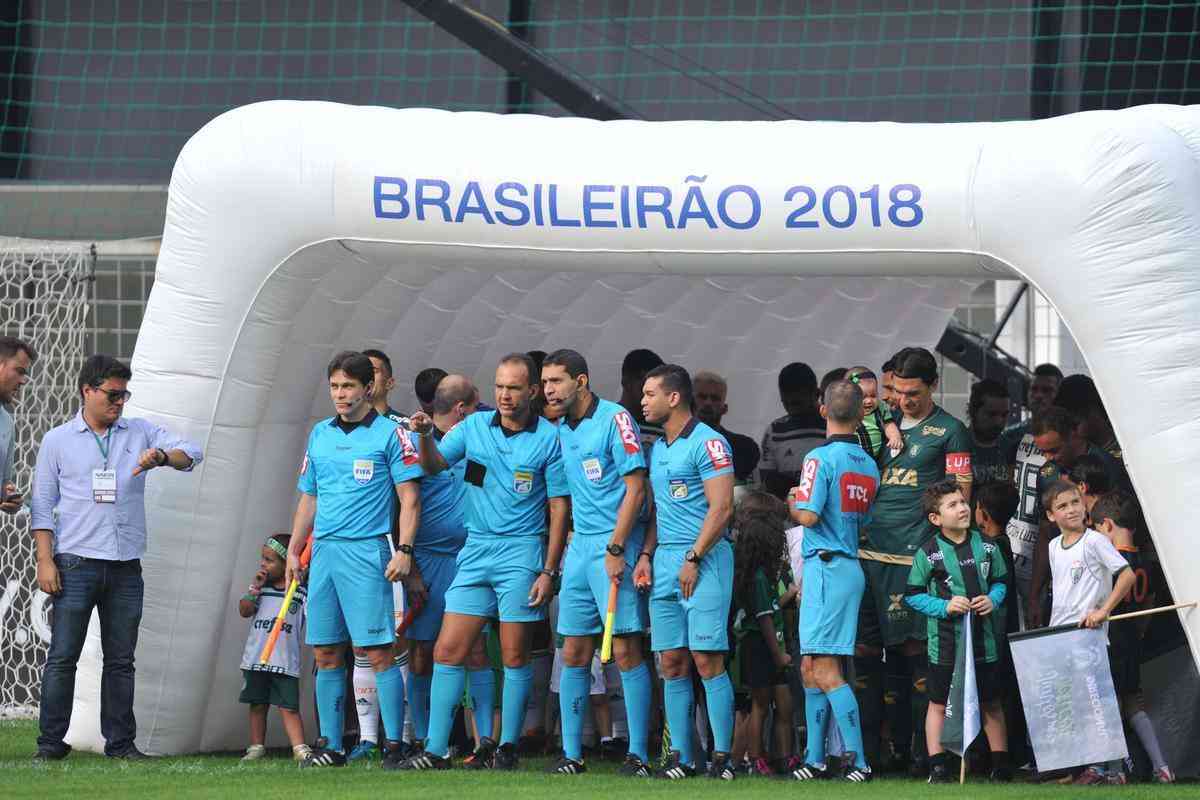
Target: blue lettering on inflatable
x=515, y=205
x=471, y=202
x=397, y=199
x=421, y=200
x=663, y=207
x=625, y=223
x=694, y=205
x=566, y=222
x=590, y=204
x=755, y=207
x=537, y=204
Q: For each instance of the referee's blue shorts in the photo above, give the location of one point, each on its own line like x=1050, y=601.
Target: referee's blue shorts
x=829, y=599
x=495, y=574
x=699, y=622
x=583, y=598
x=349, y=599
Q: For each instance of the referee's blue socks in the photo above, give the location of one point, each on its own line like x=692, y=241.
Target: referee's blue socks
x=678, y=699
x=331, y=695
x=573, y=687
x=718, y=692
x=389, y=685
x=636, y=686
x=845, y=711
x=816, y=716
x=445, y=694
x=482, y=683
x=418, y=703
x=517, y=682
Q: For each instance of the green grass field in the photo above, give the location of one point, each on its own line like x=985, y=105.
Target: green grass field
x=84, y=775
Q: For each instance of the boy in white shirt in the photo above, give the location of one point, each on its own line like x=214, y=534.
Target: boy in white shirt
x=1083, y=566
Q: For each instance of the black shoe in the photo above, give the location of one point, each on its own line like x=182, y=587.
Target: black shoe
x=323, y=756
x=421, y=761
x=567, y=766
x=939, y=774
x=614, y=749
x=854, y=774
x=721, y=767
x=634, y=767
x=506, y=758
x=918, y=767
x=132, y=754
x=810, y=772
x=484, y=756
x=394, y=752
x=1001, y=775
x=47, y=753
x=674, y=770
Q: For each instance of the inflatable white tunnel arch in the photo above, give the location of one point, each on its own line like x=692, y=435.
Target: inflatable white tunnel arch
x=298, y=229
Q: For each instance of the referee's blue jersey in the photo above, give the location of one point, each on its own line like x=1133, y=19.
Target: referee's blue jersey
x=509, y=474
x=598, y=452
x=352, y=469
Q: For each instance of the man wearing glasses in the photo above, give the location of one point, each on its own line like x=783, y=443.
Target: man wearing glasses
x=89, y=521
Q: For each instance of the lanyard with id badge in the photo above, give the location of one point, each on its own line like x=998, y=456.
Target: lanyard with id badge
x=104, y=481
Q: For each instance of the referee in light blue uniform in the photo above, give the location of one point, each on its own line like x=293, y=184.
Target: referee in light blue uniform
x=513, y=473
x=352, y=462
x=691, y=473
x=606, y=471
x=833, y=502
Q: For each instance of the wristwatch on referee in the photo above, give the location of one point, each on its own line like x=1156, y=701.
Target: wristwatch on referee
x=692, y=556
x=615, y=549
x=404, y=548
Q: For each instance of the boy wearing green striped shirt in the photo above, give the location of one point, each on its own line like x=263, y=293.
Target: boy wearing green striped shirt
x=955, y=572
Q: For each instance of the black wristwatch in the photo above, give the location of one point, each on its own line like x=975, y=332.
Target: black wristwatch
x=404, y=548
x=615, y=549
x=162, y=453
x=692, y=556
x=647, y=554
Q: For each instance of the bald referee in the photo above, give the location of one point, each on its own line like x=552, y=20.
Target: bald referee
x=833, y=502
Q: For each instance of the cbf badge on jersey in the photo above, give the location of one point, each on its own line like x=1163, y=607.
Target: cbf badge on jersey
x=522, y=482
x=678, y=490
x=592, y=469
x=364, y=470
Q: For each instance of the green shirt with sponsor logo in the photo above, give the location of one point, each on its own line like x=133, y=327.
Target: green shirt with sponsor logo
x=934, y=448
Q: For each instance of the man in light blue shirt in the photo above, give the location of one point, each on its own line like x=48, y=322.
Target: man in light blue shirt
x=89, y=520
x=691, y=474
x=606, y=472
x=514, y=475
x=16, y=359
x=356, y=467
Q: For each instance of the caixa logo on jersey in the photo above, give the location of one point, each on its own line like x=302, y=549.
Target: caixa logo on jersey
x=629, y=436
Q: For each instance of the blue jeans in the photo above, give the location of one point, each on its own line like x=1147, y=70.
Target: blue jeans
x=114, y=589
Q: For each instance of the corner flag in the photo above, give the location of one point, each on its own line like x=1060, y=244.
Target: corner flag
x=962, y=707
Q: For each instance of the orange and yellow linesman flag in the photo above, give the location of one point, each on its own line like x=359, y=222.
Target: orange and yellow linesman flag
x=609, y=617
x=277, y=625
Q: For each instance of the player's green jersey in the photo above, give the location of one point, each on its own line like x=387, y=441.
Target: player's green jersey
x=934, y=448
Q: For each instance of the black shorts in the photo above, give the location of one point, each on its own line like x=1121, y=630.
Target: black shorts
x=262, y=688
x=757, y=663
x=1126, y=669
x=987, y=679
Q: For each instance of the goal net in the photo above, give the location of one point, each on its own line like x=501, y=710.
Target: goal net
x=44, y=290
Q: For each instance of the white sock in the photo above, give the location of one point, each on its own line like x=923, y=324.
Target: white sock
x=1141, y=724
x=402, y=662
x=366, y=701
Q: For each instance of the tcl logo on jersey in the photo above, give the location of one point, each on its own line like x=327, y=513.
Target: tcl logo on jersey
x=629, y=436
x=717, y=454
x=807, y=479
x=858, y=492
x=958, y=463
x=408, y=453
